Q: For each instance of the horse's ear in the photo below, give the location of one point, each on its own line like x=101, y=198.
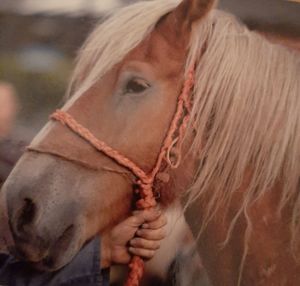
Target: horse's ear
x=190, y=11
x=182, y=18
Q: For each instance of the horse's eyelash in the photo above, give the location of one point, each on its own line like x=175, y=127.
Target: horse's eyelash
x=139, y=82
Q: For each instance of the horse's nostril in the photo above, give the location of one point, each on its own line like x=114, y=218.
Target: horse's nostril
x=27, y=214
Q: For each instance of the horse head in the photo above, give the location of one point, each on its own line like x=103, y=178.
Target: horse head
x=125, y=90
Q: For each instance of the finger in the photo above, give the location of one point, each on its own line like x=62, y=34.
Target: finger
x=144, y=243
x=150, y=234
x=140, y=217
x=152, y=214
x=158, y=223
x=144, y=253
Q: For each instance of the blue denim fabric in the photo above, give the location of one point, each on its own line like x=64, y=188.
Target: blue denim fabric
x=83, y=270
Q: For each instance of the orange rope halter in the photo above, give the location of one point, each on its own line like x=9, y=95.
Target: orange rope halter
x=145, y=181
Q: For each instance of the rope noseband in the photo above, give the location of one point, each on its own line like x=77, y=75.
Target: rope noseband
x=172, y=143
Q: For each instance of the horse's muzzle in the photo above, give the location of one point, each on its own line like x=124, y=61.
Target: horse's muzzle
x=34, y=242
x=42, y=254
x=43, y=217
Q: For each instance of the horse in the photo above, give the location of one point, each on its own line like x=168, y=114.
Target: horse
x=235, y=168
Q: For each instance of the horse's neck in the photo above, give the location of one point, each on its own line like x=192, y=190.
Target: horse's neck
x=269, y=260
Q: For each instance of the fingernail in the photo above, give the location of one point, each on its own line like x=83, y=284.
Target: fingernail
x=145, y=225
x=131, y=248
x=139, y=232
x=132, y=242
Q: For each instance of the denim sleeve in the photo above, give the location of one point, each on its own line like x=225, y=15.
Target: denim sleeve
x=83, y=270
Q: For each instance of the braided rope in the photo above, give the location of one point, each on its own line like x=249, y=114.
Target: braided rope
x=171, y=145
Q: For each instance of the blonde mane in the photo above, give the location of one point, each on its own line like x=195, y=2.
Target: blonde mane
x=247, y=116
x=246, y=103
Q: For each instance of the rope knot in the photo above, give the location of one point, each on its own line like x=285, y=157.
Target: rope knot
x=145, y=191
x=59, y=116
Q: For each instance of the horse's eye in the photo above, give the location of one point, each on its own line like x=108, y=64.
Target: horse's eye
x=136, y=85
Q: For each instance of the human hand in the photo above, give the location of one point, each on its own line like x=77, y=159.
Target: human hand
x=139, y=234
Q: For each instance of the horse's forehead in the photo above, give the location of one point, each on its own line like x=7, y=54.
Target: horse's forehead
x=160, y=53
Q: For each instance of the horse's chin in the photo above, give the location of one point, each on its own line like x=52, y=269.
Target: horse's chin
x=55, y=257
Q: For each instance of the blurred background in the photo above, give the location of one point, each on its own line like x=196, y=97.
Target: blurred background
x=38, y=44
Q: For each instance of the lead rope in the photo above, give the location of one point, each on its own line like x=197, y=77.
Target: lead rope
x=171, y=146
